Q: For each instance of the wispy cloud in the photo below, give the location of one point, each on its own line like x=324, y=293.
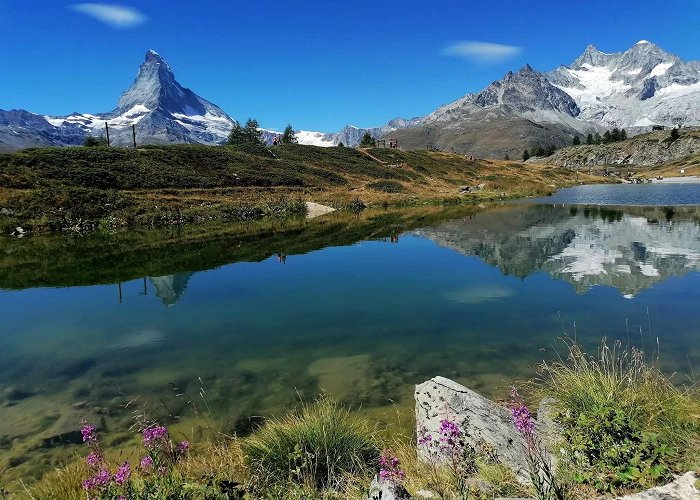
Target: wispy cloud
x=482, y=52
x=116, y=16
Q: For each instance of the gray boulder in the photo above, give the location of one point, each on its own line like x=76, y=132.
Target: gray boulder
x=387, y=490
x=486, y=424
x=682, y=488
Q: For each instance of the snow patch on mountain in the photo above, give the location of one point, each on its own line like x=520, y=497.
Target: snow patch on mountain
x=315, y=138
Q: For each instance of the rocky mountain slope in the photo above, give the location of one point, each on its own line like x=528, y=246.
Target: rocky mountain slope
x=637, y=89
x=162, y=110
x=649, y=149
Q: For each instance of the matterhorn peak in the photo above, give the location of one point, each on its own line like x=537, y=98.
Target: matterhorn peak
x=155, y=87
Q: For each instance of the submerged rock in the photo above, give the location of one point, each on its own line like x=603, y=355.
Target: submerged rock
x=682, y=488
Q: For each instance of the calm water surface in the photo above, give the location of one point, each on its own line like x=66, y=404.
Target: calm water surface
x=362, y=308
x=668, y=194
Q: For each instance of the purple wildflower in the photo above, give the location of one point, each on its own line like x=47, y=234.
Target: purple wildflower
x=450, y=438
x=153, y=436
x=102, y=478
x=146, y=462
x=162, y=471
x=123, y=473
x=449, y=431
x=424, y=438
x=522, y=419
x=94, y=459
x=183, y=447
x=89, y=432
x=389, y=468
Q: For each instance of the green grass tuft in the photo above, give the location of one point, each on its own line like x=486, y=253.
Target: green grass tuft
x=320, y=447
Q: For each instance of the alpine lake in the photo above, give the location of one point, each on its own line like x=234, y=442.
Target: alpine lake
x=222, y=326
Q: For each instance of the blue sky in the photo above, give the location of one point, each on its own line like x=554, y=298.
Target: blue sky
x=316, y=64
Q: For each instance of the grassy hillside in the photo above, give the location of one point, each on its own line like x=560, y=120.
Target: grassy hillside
x=61, y=188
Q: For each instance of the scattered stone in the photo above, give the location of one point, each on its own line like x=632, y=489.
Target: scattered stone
x=464, y=189
x=314, y=210
x=425, y=494
x=7, y=211
x=387, y=490
x=682, y=488
x=482, y=420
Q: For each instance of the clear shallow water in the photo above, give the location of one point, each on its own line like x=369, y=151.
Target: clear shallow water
x=362, y=308
x=657, y=194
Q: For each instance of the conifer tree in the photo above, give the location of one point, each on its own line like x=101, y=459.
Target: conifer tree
x=288, y=137
x=576, y=141
x=367, y=140
x=252, y=133
x=589, y=139
x=526, y=155
x=237, y=136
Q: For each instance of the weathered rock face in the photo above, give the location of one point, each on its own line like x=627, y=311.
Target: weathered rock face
x=386, y=490
x=646, y=150
x=683, y=488
x=481, y=419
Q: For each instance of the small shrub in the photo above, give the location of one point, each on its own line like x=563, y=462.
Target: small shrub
x=386, y=186
x=316, y=447
x=624, y=422
x=95, y=142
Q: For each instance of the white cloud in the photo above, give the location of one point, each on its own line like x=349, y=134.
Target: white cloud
x=114, y=15
x=482, y=52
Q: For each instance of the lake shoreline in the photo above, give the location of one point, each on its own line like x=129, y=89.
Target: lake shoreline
x=85, y=189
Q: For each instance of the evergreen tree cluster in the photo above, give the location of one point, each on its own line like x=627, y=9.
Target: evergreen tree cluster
x=250, y=135
x=609, y=136
x=539, y=151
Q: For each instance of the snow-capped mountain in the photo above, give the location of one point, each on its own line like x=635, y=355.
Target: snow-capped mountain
x=636, y=89
x=641, y=87
x=348, y=136
x=161, y=109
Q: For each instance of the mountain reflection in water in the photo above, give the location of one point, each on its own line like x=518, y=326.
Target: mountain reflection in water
x=629, y=249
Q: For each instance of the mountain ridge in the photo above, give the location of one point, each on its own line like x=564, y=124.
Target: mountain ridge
x=637, y=89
